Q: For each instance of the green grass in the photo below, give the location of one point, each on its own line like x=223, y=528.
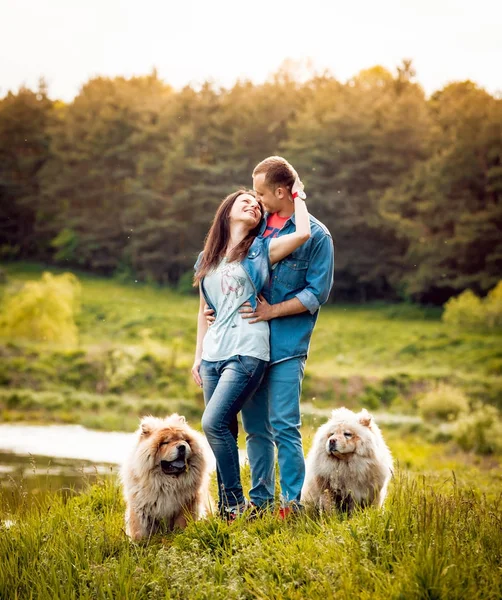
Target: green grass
x=439, y=535
x=435, y=538
x=137, y=343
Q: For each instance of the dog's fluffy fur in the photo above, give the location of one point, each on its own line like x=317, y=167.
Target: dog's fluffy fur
x=349, y=463
x=166, y=478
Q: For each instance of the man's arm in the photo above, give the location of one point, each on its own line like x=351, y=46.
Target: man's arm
x=319, y=275
x=316, y=292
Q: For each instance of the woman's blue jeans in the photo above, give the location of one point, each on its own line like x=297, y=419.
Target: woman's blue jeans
x=226, y=385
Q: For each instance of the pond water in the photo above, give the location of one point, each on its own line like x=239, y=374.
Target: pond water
x=66, y=441
x=38, y=460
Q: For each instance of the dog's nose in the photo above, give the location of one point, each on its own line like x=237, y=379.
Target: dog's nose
x=332, y=445
x=181, y=449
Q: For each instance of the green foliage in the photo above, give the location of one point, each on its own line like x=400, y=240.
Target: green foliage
x=443, y=403
x=43, y=310
x=471, y=312
x=66, y=243
x=25, y=120
x=464, y=310
x=185, y=284
x=448, y=206
x=480, y=431
x=126, y=178
x=353, y=142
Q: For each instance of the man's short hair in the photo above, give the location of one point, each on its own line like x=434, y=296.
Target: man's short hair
x=278, y=172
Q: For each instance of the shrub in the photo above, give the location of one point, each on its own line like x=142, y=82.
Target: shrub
x=480, y=431
x=471, y=312
x=43, y=310
x=185, y=284
x=119, y=367
x=493, y=307
x=444, y=403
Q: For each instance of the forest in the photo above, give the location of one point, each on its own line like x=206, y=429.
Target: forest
x=124, y=180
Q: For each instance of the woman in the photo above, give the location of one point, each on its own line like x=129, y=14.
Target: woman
x=231, y=356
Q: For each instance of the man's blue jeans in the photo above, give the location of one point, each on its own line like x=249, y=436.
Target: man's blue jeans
x=272, y=418
x=226, y=385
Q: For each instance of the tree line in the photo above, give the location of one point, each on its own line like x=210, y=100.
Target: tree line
x=124, y=180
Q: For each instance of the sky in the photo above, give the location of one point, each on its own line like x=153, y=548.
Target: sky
x=192, y=41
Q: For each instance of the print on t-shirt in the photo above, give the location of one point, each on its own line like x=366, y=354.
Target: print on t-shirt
x=230, y=283
x=274, y=224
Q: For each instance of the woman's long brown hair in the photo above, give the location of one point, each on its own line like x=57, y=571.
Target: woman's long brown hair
x=219, y=235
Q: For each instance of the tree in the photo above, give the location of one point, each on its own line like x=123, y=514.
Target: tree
x=93, y=186
x=449, y=207
x=353, y=142
x=24, y=143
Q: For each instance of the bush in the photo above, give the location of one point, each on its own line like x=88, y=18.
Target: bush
x=43, y=310
x=480, y=431
x=185, y=284
x=493, y=307
x=471, y=312
x=444, y=403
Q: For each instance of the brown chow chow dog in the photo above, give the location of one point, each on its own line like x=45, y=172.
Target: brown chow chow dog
x=349, y=463
x=165, y=478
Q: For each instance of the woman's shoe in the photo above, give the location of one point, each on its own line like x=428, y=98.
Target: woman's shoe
x=232, y=513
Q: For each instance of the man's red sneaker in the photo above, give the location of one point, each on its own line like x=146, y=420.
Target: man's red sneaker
x=291, y=509
x=285, y=511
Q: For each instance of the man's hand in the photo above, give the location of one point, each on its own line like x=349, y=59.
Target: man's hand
x=196, y=373
x=264, y=311
x=209, y=314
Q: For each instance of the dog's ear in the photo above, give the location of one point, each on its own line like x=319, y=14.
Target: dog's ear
x=146, y=426
x=365, y=418
x=179, y=418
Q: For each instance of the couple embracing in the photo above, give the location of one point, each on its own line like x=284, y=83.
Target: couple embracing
x=266, y=268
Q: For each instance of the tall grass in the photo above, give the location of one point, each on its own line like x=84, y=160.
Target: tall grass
x=432, y=540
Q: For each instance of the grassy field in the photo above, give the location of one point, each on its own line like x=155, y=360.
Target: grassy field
x=439, y=535
x=136, y=348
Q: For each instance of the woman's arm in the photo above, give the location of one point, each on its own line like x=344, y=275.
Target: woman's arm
x=201, y=332
x=281, y=246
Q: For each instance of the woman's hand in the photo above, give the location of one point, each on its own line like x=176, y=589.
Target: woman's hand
x=284, y=245
x=196, y=373
x=297, y=185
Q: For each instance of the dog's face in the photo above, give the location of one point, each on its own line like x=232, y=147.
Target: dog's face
x=342, y=439
x=169, y=444
x=348, y=433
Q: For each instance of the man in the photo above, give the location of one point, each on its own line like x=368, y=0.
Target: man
x=299, y=284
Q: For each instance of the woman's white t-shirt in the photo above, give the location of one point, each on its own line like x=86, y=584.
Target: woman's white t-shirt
x=228, y=287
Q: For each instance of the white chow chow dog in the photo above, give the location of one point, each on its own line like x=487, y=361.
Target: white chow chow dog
x=166, y=477
x=349, y=463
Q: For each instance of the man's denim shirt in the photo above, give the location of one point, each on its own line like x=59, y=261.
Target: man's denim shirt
x=306, y=274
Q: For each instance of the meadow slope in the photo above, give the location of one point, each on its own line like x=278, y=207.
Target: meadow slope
x=438, y=536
